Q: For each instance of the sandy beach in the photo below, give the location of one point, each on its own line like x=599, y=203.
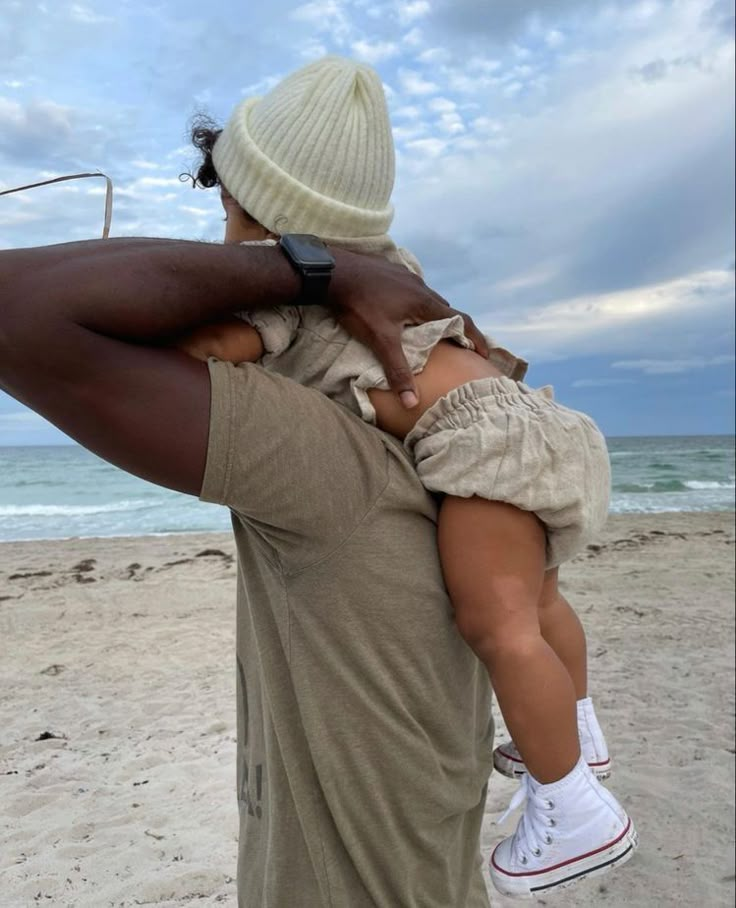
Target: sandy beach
x=117, y=753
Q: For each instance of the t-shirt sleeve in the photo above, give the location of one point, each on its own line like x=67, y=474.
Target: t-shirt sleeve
x=300, y=470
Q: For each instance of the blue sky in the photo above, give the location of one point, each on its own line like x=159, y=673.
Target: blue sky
x=565, y=167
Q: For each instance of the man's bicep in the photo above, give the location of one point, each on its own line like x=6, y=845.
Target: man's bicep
x=143, y=409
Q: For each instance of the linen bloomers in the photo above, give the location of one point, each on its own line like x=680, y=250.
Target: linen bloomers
x=494, y=438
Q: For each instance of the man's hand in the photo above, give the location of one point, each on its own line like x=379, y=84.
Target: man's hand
x=374, y=300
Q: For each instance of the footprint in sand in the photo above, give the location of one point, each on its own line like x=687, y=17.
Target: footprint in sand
x=30, y=575
x=215, y=553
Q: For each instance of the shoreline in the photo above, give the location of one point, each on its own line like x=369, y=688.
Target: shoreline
x=117, y=762
x=613, y=518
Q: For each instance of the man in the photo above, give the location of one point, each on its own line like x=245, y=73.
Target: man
x=364, y=742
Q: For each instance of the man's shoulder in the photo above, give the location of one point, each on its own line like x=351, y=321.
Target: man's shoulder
x=301, y=469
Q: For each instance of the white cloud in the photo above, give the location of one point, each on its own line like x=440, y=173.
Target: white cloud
x=10, y=218
x=413, y=10
x=622, y=320
x=36, y=118
x=311, y=50
x=261, y=87
x=375, y=52
x=487, y=125
x=442, y=105
x=413, y=83
x=86, y=16
x=486, y=65
x=512, y=89
x=413, y=38
x=434, y=55
x=318, y=12
x=413, y=130
x=673, y=366
x=530, y=278
x=197, y=212
x=408, y=112
x=326, y=16
x=451, y=123
x=467, y=81
x=429, y=147
x=602, y=382
x=155, y=181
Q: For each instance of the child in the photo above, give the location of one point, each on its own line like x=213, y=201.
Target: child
x=525, y=480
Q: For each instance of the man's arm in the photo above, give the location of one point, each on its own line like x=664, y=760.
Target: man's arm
x=80, y=326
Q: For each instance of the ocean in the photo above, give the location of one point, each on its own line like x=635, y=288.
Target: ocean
x=61, y=492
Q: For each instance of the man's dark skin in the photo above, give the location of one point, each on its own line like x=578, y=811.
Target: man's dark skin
x=84, y=326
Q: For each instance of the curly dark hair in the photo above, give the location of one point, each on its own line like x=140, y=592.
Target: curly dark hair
x=204, y=132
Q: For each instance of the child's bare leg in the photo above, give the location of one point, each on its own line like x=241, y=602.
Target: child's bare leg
x=493, y=558
x=561, y=628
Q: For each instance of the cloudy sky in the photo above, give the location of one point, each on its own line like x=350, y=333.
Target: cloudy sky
x=565, y=167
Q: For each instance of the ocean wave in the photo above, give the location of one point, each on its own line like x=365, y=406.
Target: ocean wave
x=671, y=485
x=651, y=507
x=711, y=454
x=697, y=484
x=73, y=510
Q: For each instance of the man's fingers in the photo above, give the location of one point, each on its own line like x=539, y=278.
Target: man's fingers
x=474, y=334
x=437, y=308
x=439, y=299
x=386, y=345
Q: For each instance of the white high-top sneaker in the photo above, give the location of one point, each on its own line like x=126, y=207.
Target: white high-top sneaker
x=507, y=759
x=570, y=830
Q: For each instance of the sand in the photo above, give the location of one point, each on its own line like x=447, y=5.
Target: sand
x=117, y=716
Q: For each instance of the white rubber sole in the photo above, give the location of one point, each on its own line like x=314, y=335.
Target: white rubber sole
x=603, y=860
x=513, y=767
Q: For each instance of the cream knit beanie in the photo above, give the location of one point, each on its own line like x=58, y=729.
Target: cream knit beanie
x=316, y=155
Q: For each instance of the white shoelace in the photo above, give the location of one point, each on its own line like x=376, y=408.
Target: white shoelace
x=533, y=831
x=520, y=795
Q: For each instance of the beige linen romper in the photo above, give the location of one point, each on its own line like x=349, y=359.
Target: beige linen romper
x=494, y=438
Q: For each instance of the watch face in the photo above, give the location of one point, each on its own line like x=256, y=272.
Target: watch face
x=308, y=251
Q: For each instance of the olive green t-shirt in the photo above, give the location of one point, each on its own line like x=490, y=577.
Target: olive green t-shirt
x=364, y=730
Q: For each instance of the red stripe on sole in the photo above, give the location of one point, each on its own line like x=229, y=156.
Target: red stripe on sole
x=580, y=857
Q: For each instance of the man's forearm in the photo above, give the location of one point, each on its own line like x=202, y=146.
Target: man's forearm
x=55, y=300
x=141, y=289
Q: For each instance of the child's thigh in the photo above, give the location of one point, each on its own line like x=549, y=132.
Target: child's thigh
x=493, y=557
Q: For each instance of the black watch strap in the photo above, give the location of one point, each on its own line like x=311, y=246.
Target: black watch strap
x=313, y=260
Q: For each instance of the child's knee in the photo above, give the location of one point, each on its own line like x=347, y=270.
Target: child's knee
x=492, y=635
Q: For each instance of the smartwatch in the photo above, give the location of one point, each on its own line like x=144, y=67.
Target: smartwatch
x=312, y=259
